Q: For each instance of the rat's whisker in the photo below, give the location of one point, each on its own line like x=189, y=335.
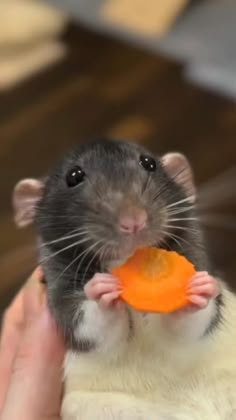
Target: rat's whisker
x=176, y=203
x=54, y=214
x=188, y=243
x=75, y=259
x=88, y=232
x=85, y=254
x=90, y=262
x=174, y=237
x=103, y=256
x=187, y=229
x=183, y=219
x=63, y=250
x=63, y=238
x=164, y=242
x=180, y=210
x=57, y=227
x=54, y=222
x=69, y=265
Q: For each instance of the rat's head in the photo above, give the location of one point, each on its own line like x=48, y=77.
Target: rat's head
x=104, y=200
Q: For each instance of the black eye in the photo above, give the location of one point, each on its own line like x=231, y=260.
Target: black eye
x=148, y=163
x=75, y=176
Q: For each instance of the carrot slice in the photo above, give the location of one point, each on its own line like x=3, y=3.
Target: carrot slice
x=155, y=280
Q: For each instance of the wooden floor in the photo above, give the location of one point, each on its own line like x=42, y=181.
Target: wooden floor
x=106, y=87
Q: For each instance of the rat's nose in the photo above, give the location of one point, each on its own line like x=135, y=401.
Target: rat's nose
x=134, y=223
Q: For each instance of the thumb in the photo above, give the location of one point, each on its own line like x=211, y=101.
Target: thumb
x=36, y=383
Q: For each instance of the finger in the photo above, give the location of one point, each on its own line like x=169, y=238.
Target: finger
x=12, y=327
x=99, y=289
x=198, y=282
x=199, y=301
x=34, y=296
x=109, y=298
x=206, y=289
x=200, y=274
x=36, y=382
x=103, y=277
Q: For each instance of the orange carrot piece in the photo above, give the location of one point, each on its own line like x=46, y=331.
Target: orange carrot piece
x=155, y=280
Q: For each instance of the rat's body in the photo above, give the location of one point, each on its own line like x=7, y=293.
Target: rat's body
x=158, y=377
x=106, y=199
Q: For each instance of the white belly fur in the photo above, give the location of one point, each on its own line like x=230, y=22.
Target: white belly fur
x=156, y=378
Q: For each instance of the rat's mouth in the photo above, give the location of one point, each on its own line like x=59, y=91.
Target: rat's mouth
x=120, y=254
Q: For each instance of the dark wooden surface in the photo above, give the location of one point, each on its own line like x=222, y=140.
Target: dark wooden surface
x=106, y=87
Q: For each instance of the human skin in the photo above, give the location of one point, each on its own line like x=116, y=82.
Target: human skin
x=31, y=357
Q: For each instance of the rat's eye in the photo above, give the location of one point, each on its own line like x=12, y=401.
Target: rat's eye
x=148, y=163
x=75, y=176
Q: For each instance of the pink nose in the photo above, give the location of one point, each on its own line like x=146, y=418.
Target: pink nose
x=133, y=224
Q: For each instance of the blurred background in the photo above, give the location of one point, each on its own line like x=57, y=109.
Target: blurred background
x=162, y=73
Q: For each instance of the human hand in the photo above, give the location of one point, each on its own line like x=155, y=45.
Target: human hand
x=31, y=357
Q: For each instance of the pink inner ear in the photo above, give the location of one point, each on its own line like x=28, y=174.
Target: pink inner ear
x=26, y=195
x=178, y=168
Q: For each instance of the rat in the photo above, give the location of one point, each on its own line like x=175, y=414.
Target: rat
x=100, y=203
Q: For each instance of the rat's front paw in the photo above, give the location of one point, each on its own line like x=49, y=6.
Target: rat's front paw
x=105, y=289
x=202, y=288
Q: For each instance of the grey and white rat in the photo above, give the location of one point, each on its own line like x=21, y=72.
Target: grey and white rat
x=104, y=200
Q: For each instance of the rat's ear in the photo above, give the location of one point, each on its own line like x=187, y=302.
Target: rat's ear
x=26, y=195
x=178, y=167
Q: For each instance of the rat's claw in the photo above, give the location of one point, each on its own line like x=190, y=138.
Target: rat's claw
x=104, y=288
